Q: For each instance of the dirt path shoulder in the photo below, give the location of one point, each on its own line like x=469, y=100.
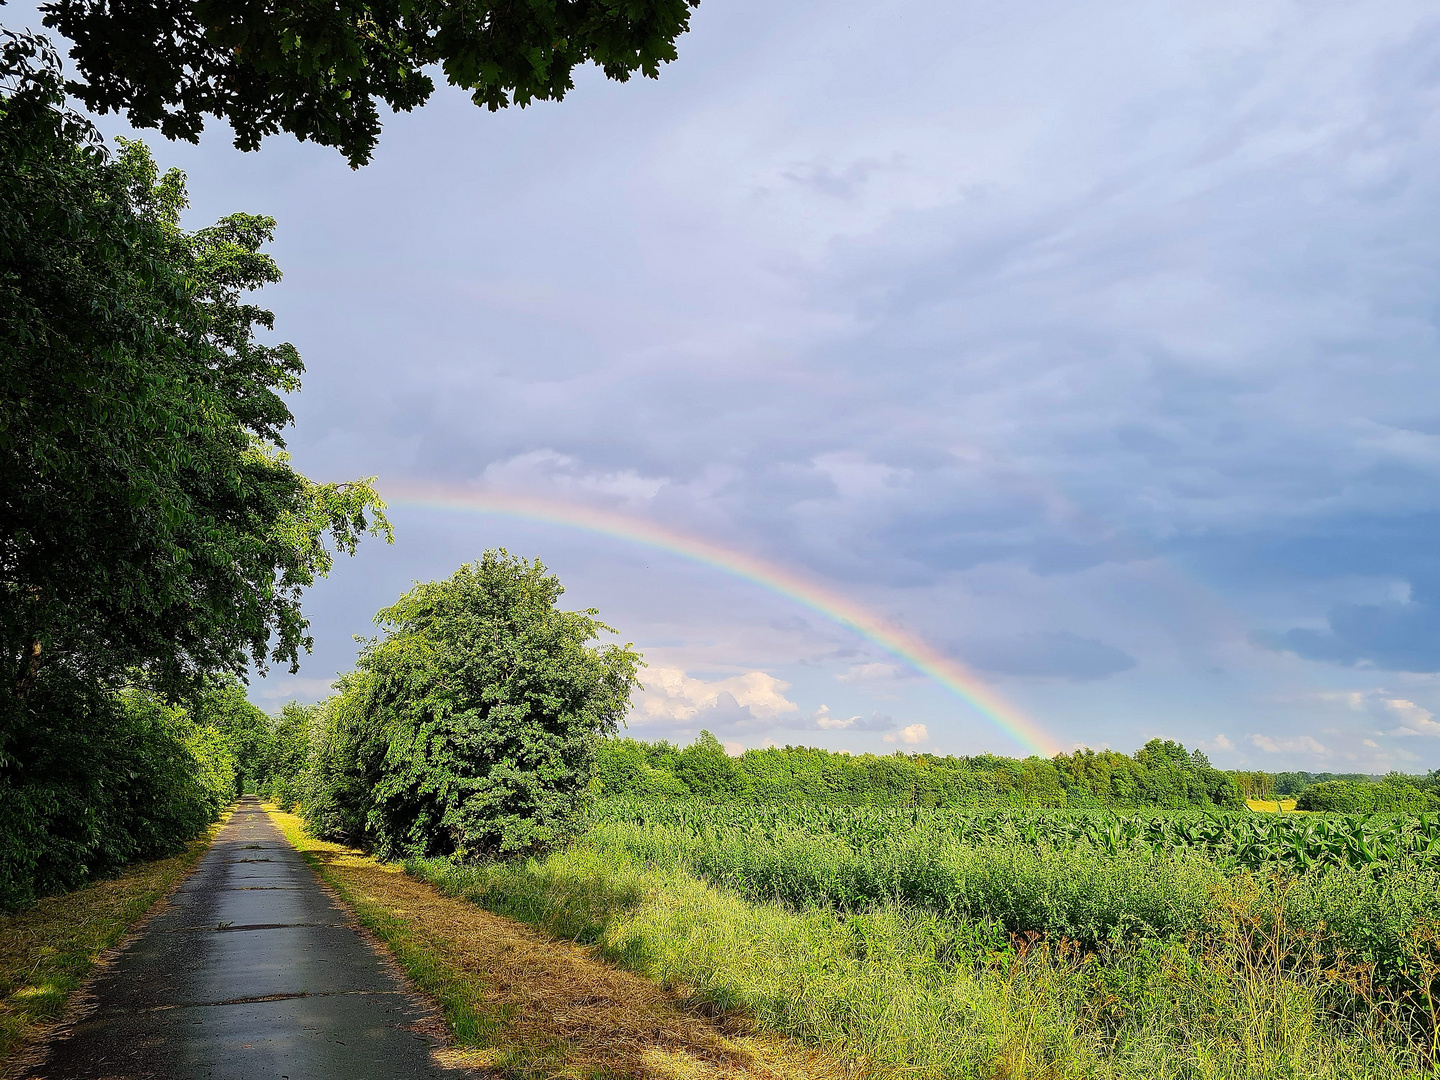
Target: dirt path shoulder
x=522, y=1005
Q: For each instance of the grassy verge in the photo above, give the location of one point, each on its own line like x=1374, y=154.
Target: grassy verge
x=899, y=991
x=523, y=1005
x=47, y=950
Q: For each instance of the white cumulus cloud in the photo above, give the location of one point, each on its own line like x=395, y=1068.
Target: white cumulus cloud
x=1414, y=719
x=874, y=672
x=1302, y=744
x=825, y=722
x=672, y=694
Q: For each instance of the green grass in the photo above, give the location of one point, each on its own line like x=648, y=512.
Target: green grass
x=904, y=990
x=1380, y=914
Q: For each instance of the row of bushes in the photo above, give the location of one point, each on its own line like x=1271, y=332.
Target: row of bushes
x=90, y=781
x=1161, y=774
x=1392, y=795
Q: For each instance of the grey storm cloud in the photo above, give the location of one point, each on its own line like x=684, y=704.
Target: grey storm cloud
x=725, y=714
x=1391, y=637
x=874, y=722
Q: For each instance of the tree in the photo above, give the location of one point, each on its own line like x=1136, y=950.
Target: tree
x=472, y=724
x=153, y=535
x=705, y=768
x=1254, y=784
x=91, y=780
x=317, y=70
x=246, y=731
x=290, y=753
x=149, y=518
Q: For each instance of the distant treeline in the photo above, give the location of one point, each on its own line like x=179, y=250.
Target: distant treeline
x=1346, y=793
x=1288, y=785
x=1161, y=775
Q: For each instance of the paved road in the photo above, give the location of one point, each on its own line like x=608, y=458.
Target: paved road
x=251, y=973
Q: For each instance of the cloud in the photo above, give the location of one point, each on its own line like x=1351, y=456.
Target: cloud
x=670, y=693
x=823, y=721
x=1219, y=743
x=1385, y=708
x=680, y=704
x=1414, y=720
x=568, y=477
x=1391, y=637
x=1003, y=367
x=291, y=688
x=1300, y=744
x=913, y=734
x=1048, y=654
x=871, y=672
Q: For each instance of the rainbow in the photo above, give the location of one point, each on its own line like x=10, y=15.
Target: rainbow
x=907, y=647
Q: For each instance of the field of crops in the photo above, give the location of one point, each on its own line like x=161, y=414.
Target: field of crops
x=1290, y=842
x=932, y=942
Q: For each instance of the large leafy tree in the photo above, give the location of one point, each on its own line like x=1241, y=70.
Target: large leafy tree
x=473, y=723
x=149, y=520
x=247, y=732
x=319, y=69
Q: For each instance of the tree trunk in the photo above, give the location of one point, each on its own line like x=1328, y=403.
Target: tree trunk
x=29, y=666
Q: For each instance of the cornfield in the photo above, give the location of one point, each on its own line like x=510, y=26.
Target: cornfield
x=1291, y=843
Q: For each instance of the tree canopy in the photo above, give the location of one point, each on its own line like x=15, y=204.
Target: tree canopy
x=149, y=517
x=1160, y=774
x=320, y=70
x=471, y=726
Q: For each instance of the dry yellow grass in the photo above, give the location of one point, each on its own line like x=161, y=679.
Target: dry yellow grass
x=48, y=950
x=521, y=1004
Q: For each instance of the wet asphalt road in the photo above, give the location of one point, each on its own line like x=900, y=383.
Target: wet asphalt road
x=252, y=972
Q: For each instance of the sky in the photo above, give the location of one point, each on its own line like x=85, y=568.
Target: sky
x=1093, y=346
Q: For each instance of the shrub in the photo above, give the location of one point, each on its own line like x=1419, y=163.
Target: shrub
x=1394, y=795
x=473, y=722
x=623, y=767
x=90, y=781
